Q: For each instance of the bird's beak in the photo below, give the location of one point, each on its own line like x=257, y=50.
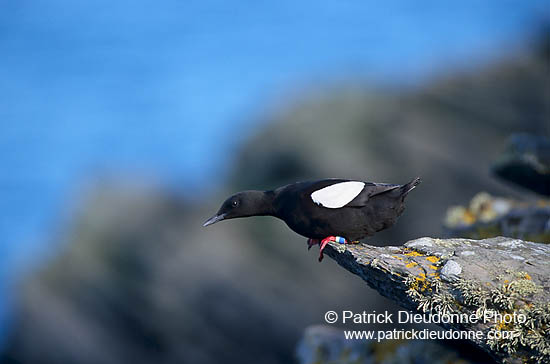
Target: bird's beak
x=214, y=219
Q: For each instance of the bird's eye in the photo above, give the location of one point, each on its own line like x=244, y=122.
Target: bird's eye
x=235, y=203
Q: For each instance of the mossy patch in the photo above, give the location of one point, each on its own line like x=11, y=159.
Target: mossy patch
x=533, y=335
x=527, y=340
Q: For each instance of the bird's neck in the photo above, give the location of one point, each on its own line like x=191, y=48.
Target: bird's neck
x=265, y=205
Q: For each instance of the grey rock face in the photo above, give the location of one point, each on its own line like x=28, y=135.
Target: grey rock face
x=485, y=278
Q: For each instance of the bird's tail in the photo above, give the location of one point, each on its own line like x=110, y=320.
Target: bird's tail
x=410, y=186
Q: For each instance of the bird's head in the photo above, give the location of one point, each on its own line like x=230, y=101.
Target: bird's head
x=243, y=204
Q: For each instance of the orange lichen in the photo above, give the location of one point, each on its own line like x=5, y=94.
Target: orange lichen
x=432, y=259
x=432, y=267
x=413, y=254
x=411, y=264
x=469, y=218
x=425, y=283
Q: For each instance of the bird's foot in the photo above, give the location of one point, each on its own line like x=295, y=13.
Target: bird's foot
x=312, y=242
x=325, y=241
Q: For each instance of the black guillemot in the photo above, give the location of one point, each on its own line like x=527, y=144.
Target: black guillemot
x=337, y=210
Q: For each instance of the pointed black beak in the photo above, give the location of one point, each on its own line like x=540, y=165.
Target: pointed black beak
x=214, y=219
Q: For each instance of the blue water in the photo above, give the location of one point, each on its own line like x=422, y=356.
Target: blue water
x=169, y=89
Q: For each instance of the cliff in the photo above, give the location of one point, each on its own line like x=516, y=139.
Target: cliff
x=484, y=278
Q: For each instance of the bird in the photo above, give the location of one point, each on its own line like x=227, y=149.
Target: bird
x=327, y=210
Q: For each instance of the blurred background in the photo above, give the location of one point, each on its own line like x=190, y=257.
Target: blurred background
x=124, y=125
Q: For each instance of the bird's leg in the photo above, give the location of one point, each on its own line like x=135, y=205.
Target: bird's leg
x=325, y=241
x=312, y=242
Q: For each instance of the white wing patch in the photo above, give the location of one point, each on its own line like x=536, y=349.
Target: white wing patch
x=337, y=195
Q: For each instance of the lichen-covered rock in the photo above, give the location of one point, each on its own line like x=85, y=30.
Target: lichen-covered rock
x=494, y=279
x=487, y=216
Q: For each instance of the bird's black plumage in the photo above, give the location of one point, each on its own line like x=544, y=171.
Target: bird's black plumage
x=376, y=207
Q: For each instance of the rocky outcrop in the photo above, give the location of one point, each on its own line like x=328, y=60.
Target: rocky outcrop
x=488, y=216
x=504, y=282
x=526, y=163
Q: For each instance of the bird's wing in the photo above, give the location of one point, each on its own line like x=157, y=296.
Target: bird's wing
x=334, y=194
x=371, y=189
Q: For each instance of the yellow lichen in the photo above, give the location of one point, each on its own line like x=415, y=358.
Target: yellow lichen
x=432, y=259
x=413, y=254
x=420, y=283
x=411, y=264
x=532, y=334
x=432, y=267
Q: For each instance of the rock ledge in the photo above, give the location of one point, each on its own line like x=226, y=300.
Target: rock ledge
x=496, y=276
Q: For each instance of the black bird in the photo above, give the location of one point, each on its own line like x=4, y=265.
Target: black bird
x=338, y=210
